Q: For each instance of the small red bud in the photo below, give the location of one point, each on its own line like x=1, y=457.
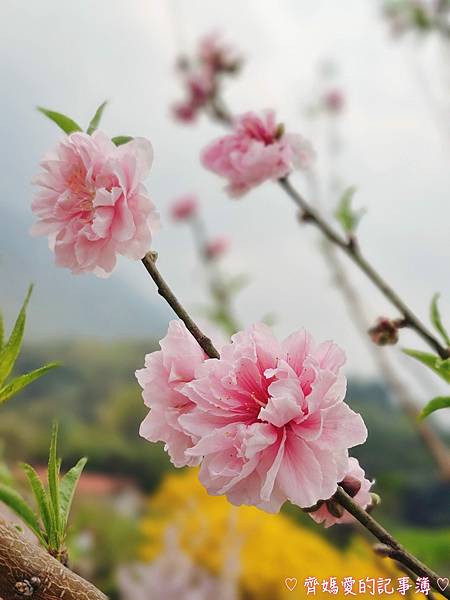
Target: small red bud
x=385, y=332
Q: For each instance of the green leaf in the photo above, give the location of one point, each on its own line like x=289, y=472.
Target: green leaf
x=440, y=366
x=435, y=404
x=41, y=497
x=10, y=351
x=53, y=479
x=121, y=139
x=347, y=217
x=65, y=123
x=16, y=503
x=22, y=381
x=435, y=316
x=93, y=125
x=68, y=487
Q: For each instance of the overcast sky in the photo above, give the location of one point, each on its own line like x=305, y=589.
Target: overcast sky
x=69, y=56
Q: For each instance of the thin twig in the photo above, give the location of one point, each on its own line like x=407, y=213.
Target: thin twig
x=396, y=550
x=164, y=290
x=353, y=252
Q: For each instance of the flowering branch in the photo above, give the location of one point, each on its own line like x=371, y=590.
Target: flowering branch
x=397, y=552
x=431, y=440
x=350, y=247
x=394, y=549
x=28, y=571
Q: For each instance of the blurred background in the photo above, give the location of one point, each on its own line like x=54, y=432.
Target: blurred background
x=368, y=84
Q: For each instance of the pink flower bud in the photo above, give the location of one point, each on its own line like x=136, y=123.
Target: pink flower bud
x=216, y=247
x=385, y=331
x=184, y=207
x=185, y=112
x=334, y=101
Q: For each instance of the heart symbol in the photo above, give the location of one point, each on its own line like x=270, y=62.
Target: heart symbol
x=291, y=583
x=442, y=583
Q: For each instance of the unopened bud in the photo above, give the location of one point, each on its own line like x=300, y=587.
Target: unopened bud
x=385, y=331
x=351, y=486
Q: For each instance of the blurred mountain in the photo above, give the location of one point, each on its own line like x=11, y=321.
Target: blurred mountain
x=65, y=305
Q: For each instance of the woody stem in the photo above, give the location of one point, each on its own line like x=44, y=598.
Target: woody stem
x=396, y=550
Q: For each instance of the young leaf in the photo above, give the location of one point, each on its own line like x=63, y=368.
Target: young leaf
x=16, y=503
x=436, y=319
x=347, y=217
x=22, y=381
x=438, y=365
x=68, y=486
x=40, y=496
x=95, y=121
x=65, y=123
x=435, y=404
x=10, y=351
x=53, y=478
x=121, y=139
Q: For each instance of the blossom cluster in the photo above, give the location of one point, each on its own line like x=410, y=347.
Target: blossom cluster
x=92, y=203
x=266, y=422
x=201, y=76
x=257, y=150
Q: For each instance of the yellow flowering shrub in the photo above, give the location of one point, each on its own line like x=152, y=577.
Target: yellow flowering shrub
x=270, y=548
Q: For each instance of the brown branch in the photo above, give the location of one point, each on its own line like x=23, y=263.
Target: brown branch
x=28, y=571
x=164, y=290
x=431, y=440
x=353, y=252
x=396, y=550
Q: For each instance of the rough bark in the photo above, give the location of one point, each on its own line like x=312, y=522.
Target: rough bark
x=28, y=571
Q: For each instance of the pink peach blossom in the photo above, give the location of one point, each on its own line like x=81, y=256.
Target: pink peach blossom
x=163, y=379
x=184, y=207
x=258, y=150
x=92, y=204
x=357, y=486
x=269, y=420
x=216, y=247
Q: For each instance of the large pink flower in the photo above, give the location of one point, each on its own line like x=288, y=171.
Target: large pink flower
x=357, y=486
x=256, y=151
x=163, y=379
x=270, y=420
x=92, y=203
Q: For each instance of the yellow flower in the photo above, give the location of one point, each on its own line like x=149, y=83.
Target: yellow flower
x=270, y=548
